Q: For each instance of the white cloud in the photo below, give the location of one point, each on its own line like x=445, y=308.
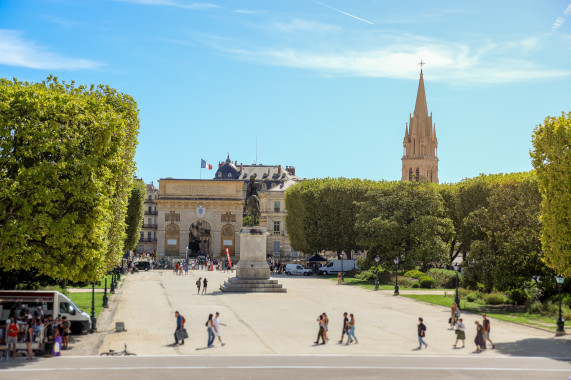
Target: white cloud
x=173, y=3
x=397, y=57
x=567, y=11
x=299, y=25
x=17, y=51
x=557, y=23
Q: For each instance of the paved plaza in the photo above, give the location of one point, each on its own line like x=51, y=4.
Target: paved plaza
x=272, y=335
x=286, y=323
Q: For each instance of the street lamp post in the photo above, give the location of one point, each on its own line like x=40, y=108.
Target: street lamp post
x=342, y=257
x=560, y=323
x=377, y=259
x=457, y=298
x=93, y=319
x=105, y=298
x=396, y=276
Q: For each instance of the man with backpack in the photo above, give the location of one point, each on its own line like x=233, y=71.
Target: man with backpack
x=180, y=321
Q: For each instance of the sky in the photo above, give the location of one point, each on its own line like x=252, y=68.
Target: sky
x=325, y=86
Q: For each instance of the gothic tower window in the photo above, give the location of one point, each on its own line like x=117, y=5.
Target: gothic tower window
x=410, y=174
x=417, y=174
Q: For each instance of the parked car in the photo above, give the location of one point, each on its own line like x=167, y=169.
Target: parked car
x=293, y=269
x=336, y=266
x=143, y=265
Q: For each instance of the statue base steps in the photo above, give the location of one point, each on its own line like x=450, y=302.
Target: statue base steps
x=254, y=285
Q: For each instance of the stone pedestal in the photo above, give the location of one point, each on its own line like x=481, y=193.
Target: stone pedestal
x=252, y=271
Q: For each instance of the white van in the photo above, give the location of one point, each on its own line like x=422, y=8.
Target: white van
x=292, y=269
x=53, y=303
x=336, y=266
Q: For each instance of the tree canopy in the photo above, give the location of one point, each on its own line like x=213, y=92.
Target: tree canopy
x=551, y=158
x=66, y=169
x=135, y=214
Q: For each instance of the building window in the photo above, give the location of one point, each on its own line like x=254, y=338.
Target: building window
x=417, y=175
x=219, y=175
x=431, y=176
x=276, y=246
x=410, y=174
x=276, y=228
x=263, y=186
x=229, y=175
x=142, y=236
x=149, y=236
x=276, y=206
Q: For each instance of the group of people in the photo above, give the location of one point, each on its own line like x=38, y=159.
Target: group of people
x=482, y=330
x=204, y=283
x=201, y=264
x=34, y=327
x=212, y=327
x=348, y=329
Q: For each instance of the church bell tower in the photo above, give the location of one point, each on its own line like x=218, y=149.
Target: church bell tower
x=420, y=160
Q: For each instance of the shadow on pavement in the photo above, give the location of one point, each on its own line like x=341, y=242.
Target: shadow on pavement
x=558, y=349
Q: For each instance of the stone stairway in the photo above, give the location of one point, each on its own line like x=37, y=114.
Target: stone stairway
x=244, y=285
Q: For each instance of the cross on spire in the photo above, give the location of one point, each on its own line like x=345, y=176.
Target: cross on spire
x=421, y=64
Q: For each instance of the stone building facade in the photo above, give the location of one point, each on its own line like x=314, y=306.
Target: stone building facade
x=148, y=241
x=420, y=158
x=208, y=210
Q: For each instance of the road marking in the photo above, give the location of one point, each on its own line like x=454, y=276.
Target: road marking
x=320, y=367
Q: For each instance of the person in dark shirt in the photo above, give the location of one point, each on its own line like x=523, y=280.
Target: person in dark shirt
x=421, y=334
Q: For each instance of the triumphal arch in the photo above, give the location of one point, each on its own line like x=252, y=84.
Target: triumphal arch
x=203, y=216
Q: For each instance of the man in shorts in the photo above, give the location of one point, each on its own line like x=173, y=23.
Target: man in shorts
x=217, y=327
x=12, y=337
x=65, y=327
x=486, y=326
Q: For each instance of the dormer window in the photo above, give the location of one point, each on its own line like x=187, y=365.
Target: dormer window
x=219, y=175
x=229, y=175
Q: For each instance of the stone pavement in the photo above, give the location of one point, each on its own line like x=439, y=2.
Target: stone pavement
x=286, y=323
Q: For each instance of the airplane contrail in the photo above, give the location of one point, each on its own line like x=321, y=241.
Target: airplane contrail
x=345, y=13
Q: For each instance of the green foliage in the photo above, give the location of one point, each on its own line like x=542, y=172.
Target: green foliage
x=321, y=213
x=444, y=278
x=473, y=296
x=518, y=296
x=426, y=282
x=248, y=221
x=135, y=214
x=416, y=285
x=414, y=273
x=495, y=299
x=366, y=275
x=506, y=249
x=551, y=158
x=404, y=220
x=66, y=164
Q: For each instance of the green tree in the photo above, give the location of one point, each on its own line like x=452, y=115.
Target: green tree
x=551, y=158
x=66, y=169
x=135, y=214
x=508, y=251
x=322, y=213
x=405, y=220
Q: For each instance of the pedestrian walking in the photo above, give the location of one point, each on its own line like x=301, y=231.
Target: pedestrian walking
x=180, y=331
x=321, y=330
x=486, y=326
x=345, y=330
x=186, y=269
x=460, y=332
x=479, y=340
x=198, y=282
x=217, y=325
x=351, y=330
x=29, y=339
x=421, y=334
x=204, y=285
x=176, y=269
x=210, y=329
x=455, y=314
x=325, y=326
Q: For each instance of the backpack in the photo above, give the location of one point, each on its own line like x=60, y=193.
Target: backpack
x=183, y=320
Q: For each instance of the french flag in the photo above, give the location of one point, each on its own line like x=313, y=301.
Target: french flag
x=205, y=165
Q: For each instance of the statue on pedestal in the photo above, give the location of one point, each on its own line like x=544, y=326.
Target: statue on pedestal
x=252, y=204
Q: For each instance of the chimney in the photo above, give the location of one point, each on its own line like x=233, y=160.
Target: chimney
x=241, y=167
x=290, y=170
x=220, y=163
x=279, y=169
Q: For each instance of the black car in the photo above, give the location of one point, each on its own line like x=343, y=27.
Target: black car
x=143, y=265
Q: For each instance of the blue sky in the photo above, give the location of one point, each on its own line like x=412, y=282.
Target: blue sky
x=325, y=86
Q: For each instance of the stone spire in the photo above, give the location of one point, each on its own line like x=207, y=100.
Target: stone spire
x=420, y=160
x=420, y=109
